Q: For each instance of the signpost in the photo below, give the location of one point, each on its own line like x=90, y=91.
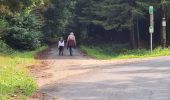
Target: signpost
x=151, y=28
x=151, y=9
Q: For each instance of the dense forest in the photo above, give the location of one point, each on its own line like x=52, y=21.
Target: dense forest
x=32, y=22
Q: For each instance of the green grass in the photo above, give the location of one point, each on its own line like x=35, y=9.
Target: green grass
x=14, y=75
x=122, y=52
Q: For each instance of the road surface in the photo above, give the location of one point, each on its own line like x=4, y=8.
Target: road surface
x=83, y=78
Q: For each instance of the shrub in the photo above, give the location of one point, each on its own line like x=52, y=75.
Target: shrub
x=24, y=32
x=21, y=38
x=31, y=22
x=3, y=25
x=5, y=49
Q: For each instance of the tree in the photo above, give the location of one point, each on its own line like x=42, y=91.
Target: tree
x=120, y=15
x=59, y=16
x=12, y=7
x=112, y=14
x=21, y=26
x=165, y=15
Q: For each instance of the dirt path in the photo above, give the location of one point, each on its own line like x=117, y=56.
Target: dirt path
x=83, y=78
x=54, y=68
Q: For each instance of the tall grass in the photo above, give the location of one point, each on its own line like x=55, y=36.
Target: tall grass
x=14, y=76
x=122, y=52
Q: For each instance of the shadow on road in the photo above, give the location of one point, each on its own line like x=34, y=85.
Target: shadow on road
x=138, y=88
x=89, y=79
x=145, y=80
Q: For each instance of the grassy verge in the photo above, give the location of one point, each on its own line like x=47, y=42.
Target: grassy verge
x=122, y=52
x=14, y=76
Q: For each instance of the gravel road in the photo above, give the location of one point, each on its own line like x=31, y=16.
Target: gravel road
x=83, y=78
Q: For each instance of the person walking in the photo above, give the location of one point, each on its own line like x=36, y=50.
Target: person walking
x=71, y=43
x=61, y=46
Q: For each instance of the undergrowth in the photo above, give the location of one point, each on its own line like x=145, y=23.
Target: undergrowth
x=14, y=75
x=118, y=51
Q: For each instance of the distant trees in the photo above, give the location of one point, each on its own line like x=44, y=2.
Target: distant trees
x=13, y=7
x=115, y=15
x=59, y=15
x=94, y=20
x=118, y=16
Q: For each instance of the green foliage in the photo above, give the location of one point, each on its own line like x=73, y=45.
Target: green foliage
x=110, y=14
x=13, y=7
x=20, y=38
x=29, y=22
x=4, y=48
x=59, y=16
x=22, y=30
x=115, y=16
x=3, y=26
x=24, y=33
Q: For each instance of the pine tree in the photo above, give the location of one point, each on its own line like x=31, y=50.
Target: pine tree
x=112, y=14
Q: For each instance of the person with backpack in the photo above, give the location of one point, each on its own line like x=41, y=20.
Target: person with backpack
x=71, y=43
x=61, y=46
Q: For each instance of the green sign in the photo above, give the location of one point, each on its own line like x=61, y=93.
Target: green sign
x=151, y=29
x=151, y=9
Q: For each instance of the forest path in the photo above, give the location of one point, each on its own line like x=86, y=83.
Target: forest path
x=82, y=78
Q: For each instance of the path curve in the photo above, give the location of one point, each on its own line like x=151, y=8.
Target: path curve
x=83, y=78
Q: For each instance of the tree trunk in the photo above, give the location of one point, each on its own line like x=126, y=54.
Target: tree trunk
x=132, y=42
x=138, y=34
x=164, y=35
x=132, y=35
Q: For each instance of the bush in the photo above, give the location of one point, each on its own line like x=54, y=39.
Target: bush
x=31, y=22
x=3, y=25
x=23, y=32
x=5, y=49
x=21, y=38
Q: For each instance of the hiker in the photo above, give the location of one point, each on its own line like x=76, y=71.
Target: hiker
x=71, y=43
x=61, y=46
